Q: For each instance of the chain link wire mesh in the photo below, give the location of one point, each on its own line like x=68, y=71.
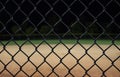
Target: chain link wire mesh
x=33, y=35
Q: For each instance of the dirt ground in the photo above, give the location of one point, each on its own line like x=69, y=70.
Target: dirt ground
x=77, y=61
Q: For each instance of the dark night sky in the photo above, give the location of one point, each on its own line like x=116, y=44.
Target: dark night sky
x=77, y=7
x=84, y=10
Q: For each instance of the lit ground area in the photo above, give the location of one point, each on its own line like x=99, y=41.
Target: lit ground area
x=76, y=58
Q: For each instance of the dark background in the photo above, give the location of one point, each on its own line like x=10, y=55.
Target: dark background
x=63, y=19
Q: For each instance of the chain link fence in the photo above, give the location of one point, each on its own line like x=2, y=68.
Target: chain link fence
x=59, y=38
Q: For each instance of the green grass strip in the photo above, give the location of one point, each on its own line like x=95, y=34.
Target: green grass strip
x=65, y=41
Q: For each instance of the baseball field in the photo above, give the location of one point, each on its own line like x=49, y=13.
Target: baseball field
x=54, y=58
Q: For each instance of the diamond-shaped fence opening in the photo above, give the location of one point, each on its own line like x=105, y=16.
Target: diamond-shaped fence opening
x=35, y=17
x=111, y=10
x=60, y=52
x=5, y=57
x=4, y=16
x=86, y=19
x=11, y=7
x=11, y=27
x=59, y=38
x=77, y=51
x=95, y=6
x=106, y=63
x=58, y=8
x=20, y=58
x=61, y=70
x=69, y=61
x=11, y=49
x=43, y=7
x=95, y=72
x=110, y=30
x=37, y=61
x=60, y=28
x=45, y=69
x=110, y=54
x=52, y=18
x=85, y=60
x=77, y=71
x=77, y=8
x=71, y=17
x=95, y=52
x=13, y=69
x=76, y=28
x=19, y=17
x=95, y=30
x=27, y=9
x=26, y=51
x=45, y=52
x=44, y=28
x=28, y=68
x=104, y=21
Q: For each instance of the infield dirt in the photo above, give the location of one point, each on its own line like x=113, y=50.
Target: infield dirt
x=59, y=57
